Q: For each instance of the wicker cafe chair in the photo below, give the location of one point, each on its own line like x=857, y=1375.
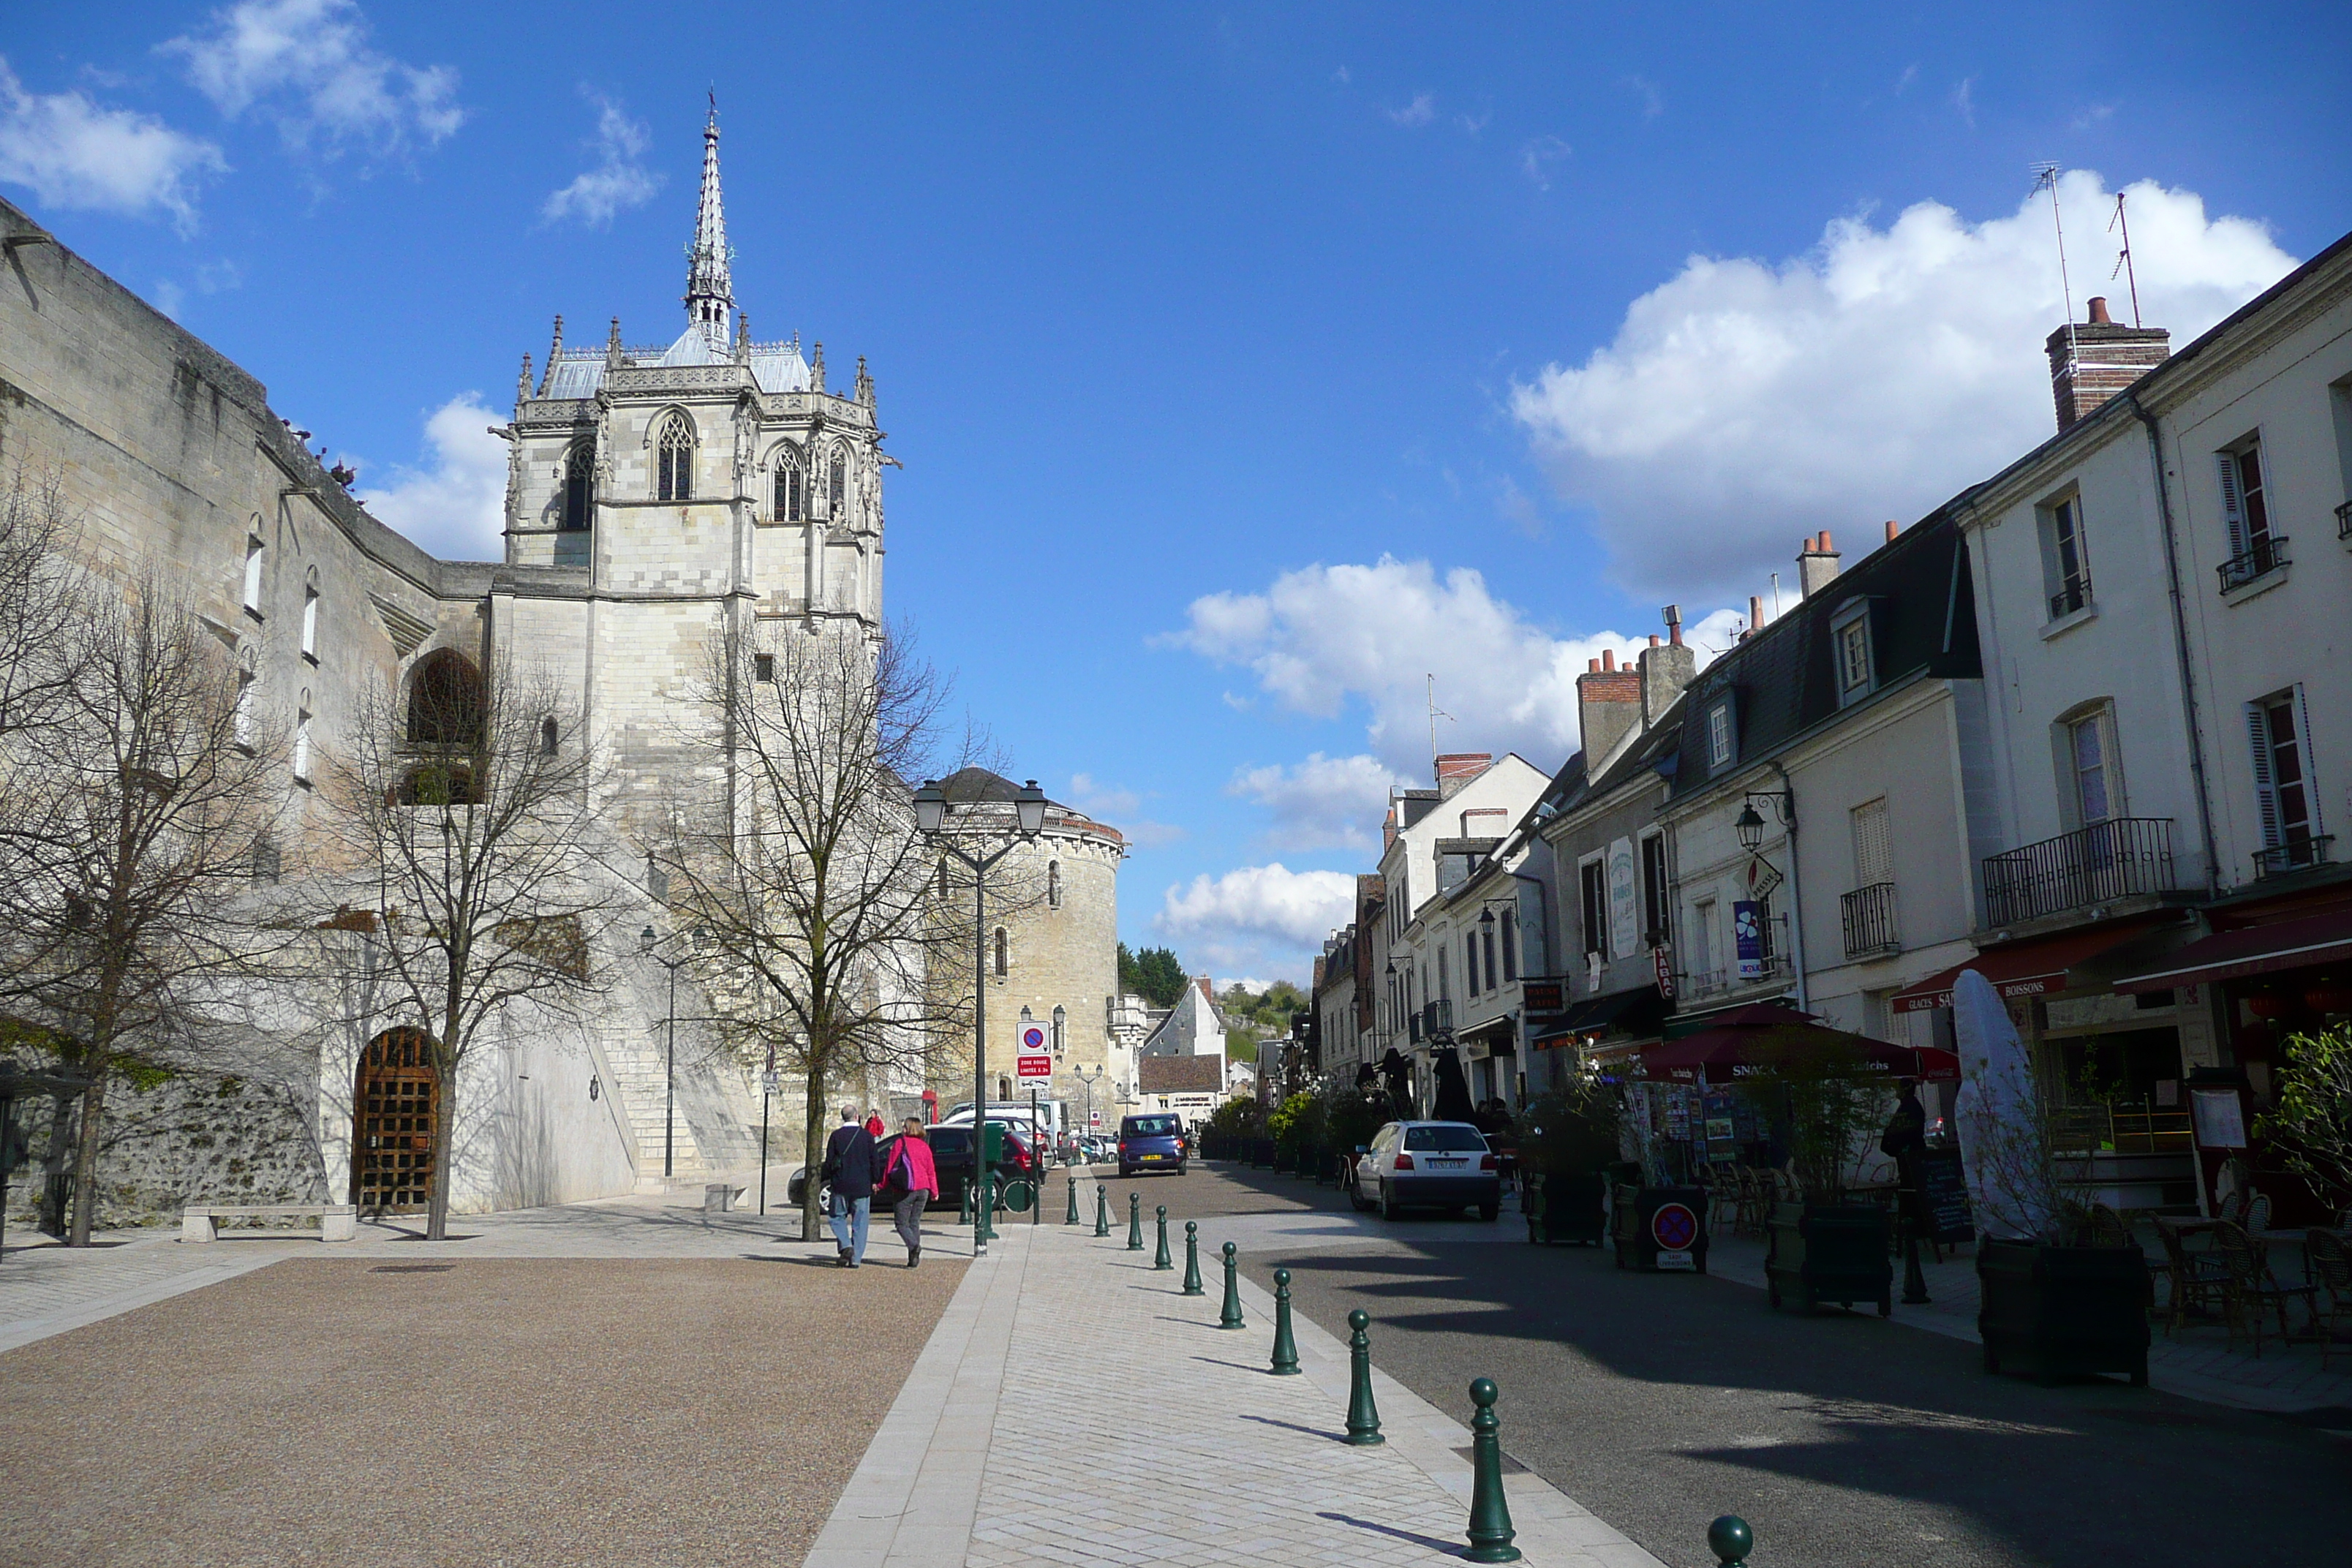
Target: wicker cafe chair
x=2331, y=1268
x=2199, y=1282
x=1755, y=1203
x=1722, y=1198
x=2258, y=1212
x=2253, y=1287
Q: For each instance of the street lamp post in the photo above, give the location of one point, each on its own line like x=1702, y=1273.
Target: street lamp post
x=931, y=819
x=647, y=941
x=1088, y=1085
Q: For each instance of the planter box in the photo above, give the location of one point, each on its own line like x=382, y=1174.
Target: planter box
x=1659, y=1228
x=1829, y=1253
x=1567, y=1208
x=2062, y=1311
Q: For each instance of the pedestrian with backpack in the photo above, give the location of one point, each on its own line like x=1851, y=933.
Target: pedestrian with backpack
x=849, y=1168
x=909, y=1180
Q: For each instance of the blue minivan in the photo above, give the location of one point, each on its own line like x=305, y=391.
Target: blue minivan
x=1150, y=1143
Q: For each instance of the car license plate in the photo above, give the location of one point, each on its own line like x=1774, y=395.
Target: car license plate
x=1155, y=1156
x=1675, y=1260
x=1448, y=1165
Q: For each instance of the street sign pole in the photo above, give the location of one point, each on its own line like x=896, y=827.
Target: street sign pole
x=1036, y=1159
x=767, y=1089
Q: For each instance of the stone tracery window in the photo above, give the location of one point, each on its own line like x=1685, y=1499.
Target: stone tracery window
x=1054, y=885
x=579, y=487
x=792, y=489
x=837, y=485
x=675, y=476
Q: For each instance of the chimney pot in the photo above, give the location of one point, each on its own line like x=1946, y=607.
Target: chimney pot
x=1591, y=667
x=1892, y=528
x=2099, y=311
x=1607, y=658
x=1825, y=542
x=1654, y=639
x=1755, y=611
x=1675, y=634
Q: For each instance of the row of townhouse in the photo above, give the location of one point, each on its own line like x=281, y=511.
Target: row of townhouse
x=2083, y=727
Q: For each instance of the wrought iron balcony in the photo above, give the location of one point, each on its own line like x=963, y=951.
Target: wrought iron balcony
x=2268, y=554
x=2072, y=597
x=2295, y=855
x=2344, y=520
x=1870, y=921
x=1436, y=1017
x=2108, y=861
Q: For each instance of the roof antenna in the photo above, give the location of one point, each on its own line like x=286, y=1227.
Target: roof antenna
x=2047, y=174
x=1435, y=713
x=2124, y=260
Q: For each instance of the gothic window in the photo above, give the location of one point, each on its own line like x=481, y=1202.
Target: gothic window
x=791, y=489
x=1054, y=885
x=1003, y=955
x=253, y=563
x=445, y=701
x=302, y=740
x=550, y=737
x=838, y=486
x=310, y=616
x=676, y=465
x=579, y=487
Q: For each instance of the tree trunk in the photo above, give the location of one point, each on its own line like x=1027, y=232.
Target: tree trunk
x=85, y=1181
x=56, y=1200
x=813, y=1141
x=437, y=1207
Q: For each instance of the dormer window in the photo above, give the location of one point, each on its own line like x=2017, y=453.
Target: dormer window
x=1721, y=743
x=1850, y=643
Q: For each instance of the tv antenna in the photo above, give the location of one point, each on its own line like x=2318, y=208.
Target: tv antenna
x=2047, y=174
x=1435, y=713
x=2124, y=260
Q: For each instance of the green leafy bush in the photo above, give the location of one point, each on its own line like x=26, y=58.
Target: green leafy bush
x=2309, y=1125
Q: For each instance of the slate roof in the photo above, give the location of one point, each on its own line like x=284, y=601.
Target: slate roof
x=1180, y=1074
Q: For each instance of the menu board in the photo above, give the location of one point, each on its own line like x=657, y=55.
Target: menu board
x=1944, y=1195
x=2220, y=1123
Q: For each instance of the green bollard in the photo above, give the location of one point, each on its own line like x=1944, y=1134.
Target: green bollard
x=989, y=1203
x=1230, y=1317
x=963, y=1210
x=1286, y=1349
x=1161, y=1261
x=1731, y=1541
x=1490, y=1516
x=1072, y=1217
x=1192, y=1258
x=1102, y=1211
x=1364, y=1416
x=1134, y=1223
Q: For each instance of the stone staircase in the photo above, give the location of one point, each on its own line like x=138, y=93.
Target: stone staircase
x=638, y=1075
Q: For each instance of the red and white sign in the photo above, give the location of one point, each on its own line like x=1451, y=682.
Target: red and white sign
x=1027, y=1068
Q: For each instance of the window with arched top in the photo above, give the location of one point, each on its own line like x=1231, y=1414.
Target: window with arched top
x=837, y=483
x=310, y=615
x=445, y=701
x=579, y=486
x=550, y=737
x=674, y=477
x=1054, y=885
x=792, y=489
x=1060, y=1028
x=1003, y=955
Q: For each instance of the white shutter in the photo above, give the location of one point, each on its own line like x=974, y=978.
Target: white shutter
x=2310, y=756
x=2258, y=732
x=1873, y=854
x=2233, y=512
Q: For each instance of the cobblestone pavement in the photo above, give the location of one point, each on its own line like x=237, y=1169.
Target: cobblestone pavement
x=1200, y=1456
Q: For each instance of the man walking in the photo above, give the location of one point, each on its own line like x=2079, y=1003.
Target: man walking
x=849, y=1166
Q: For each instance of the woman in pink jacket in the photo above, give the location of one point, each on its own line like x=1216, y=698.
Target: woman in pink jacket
x=909, y=1180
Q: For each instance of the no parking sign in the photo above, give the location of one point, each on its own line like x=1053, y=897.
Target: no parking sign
x=1031, y=1059
x=1673, y=1226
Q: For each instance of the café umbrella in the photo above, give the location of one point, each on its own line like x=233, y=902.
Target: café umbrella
x=1753, y=1038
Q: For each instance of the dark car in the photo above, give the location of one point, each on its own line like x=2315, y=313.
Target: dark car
x=1150, y=1143
x=952, y=1152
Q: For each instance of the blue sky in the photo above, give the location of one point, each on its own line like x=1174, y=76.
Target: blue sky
x=1248, y=364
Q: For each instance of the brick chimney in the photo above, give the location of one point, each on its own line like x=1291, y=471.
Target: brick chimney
x=1817, y=564
x=1665, y=669
x=1608, y=708
x=1459, y=768
x=2091, y=360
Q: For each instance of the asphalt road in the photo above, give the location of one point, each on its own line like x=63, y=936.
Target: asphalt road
x=1661, y=1401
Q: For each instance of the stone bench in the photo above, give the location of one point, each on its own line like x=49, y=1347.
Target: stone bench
x=719, y=1198
x=337, y=1221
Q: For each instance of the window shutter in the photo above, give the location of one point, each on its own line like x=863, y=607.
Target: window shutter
x=2310, y=759
x=2258, y=732
x=2233, y=512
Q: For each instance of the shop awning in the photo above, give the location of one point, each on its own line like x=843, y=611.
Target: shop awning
x=2256, y=950
x=2024, y=968
x=1636, y=1012
x=1752, y=1037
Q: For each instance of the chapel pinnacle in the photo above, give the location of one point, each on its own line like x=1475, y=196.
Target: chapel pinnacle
x=709, y=291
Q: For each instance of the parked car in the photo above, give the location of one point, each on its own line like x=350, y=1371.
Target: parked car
x=952, y=1152
x=1150, y=1143
x=1428, y=1164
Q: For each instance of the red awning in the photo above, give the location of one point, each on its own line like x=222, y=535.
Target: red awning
x=2021, y=969
x=2256, y=950
x=1725, y=1048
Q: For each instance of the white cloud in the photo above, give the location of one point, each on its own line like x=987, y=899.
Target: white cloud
x=1538, y=156
x=1744, y=403
x=1259, y=918
x=455, y=506
x=1420, y=112
x=1323, y=803
x=619, y=180
x=74, y=153
x=1323, y=637
x=308, y=65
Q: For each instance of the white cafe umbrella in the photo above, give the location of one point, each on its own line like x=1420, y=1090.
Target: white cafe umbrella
x=1999, y=1117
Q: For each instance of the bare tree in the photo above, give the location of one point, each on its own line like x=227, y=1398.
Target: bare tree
x=802, y=865
x=136, y=807
x=42, y=598
x=460, y=827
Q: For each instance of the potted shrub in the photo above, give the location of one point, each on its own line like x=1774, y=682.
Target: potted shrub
x=2052, y=1303
x=1823, y=1249
x=1565, y=1141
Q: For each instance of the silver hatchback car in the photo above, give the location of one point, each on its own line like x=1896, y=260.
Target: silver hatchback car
x=1428, y=1164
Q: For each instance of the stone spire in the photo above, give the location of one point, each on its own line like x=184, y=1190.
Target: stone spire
x=710, y=292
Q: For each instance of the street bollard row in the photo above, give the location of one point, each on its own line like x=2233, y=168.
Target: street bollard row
x=1102, y=1210
x=1192, y=1258
x=1134, y=1222
x=1072, y=1217
x=1161, y=1261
